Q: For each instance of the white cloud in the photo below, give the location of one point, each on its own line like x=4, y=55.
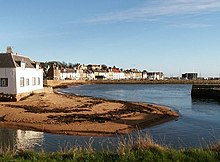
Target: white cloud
x=158, y=9
x=190, y=25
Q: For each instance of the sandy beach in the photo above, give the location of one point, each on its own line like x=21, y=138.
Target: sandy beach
x=77, y=115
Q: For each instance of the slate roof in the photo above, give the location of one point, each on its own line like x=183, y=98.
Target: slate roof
x=9, y=60
x=68, y=71
x=6, y=61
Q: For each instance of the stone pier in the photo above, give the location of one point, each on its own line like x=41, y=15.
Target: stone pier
x=210, y=91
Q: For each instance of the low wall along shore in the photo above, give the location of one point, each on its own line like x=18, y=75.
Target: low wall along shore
x=55, y=83
x=60, y=83
x=201, y=88
x=206, y=91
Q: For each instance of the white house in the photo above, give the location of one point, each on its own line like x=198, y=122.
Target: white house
x=155, y=75
x=116, y=74
x=69, y=74
x=19, y=75
x=133, y=74
x=101, y=74
x=144, y=75
x=90, y=75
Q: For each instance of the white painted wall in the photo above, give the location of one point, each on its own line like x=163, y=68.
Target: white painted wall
x=62, y=76
x=10, y=74
x=122, y=75
x=128, y=76
x=72, y=75
x=155, y=76
x=28, y=73
x=116, y=75
x=145, y=76
x=105, y=74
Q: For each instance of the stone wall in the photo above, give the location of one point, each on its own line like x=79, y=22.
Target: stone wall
x=60, y=83
x=206, y=91
x=14, y=97
x=7, y=97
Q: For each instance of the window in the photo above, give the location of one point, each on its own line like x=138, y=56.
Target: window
x=3, y=82
x=27, y=82
x=33, y=81
x=38, y=81
x=21, y=81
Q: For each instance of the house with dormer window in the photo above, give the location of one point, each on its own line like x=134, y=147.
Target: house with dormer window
x=19, y=75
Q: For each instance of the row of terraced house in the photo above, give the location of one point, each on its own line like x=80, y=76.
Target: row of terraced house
x=20, y=76
x=97, y=72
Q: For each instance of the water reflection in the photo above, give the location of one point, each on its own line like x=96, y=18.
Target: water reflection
x=26, y=140
x=206, y=107
x=11, y=139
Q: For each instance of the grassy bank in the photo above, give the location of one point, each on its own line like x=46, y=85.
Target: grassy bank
x=150, y=154
x=140, y=149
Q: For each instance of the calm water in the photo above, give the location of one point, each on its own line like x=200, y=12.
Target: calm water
x=198, y=124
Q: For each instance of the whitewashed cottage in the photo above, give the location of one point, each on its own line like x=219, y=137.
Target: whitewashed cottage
x=72, y=74
x=19, y=76
x=155, y=75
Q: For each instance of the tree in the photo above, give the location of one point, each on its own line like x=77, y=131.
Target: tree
x=64, y=64
x=104, y=67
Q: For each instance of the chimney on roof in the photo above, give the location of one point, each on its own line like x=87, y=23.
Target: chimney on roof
x=9, y=49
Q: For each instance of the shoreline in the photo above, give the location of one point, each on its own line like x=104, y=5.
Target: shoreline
x=67, y=83
x=71, y=114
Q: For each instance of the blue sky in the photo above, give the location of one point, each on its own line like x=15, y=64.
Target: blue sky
x=173, y=36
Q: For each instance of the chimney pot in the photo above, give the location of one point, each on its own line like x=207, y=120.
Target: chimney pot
x=9, y=49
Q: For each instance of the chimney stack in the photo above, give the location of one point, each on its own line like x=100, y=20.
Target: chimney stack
x=9, y=49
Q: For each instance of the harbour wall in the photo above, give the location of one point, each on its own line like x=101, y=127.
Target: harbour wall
x=205, y=91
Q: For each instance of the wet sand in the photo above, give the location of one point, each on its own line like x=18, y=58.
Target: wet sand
x=77, y=115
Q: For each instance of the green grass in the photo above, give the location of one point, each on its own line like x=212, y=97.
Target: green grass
x=148, y=155
x=131, y=149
